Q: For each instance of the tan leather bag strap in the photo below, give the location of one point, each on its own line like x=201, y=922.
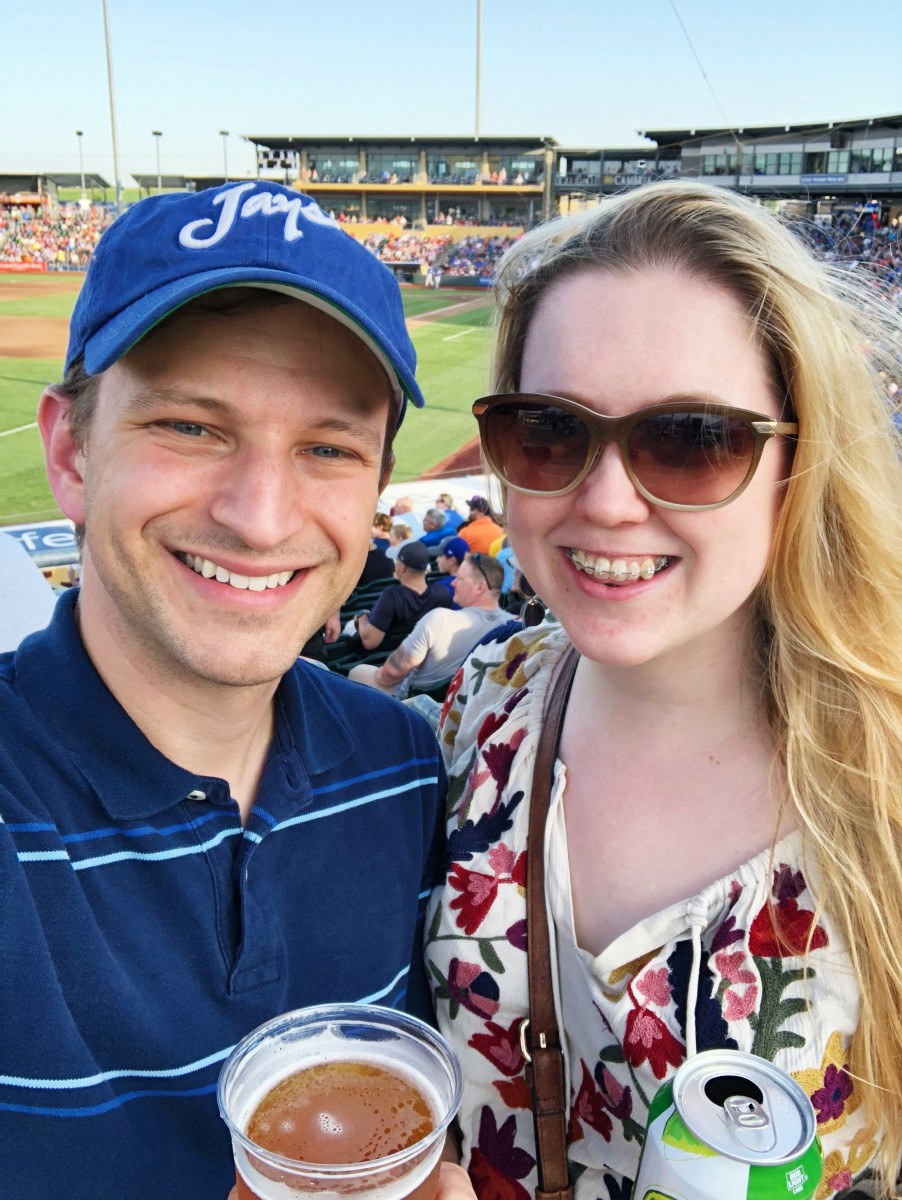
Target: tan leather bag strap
x=539, y=1036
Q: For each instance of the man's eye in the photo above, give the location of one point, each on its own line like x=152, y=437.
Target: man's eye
x=329, y=452
x=188, y=428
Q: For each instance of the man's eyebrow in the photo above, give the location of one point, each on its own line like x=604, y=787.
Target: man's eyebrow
x=144, y=399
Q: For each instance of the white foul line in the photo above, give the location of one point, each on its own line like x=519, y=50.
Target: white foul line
x=20, y=429
x=472, y=329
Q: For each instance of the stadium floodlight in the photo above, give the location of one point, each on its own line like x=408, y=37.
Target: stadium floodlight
x=158, y=133
x=224, y=133
x=81, y=163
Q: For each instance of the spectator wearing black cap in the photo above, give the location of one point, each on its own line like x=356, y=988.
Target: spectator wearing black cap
x=399, y=608
x=480, y=531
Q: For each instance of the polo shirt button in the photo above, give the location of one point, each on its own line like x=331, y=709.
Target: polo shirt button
x=197, y=794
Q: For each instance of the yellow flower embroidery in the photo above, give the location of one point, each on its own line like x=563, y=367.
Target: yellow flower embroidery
x=839, y=1170
x=510, y=672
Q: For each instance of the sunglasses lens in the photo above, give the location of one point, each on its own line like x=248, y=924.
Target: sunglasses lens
x=691, y=458
x=535, y=446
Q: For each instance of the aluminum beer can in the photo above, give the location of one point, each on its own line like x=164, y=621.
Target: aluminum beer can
x=729, y=1126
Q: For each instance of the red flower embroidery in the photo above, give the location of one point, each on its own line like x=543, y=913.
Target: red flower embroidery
x=588, y=1109
x=782, y=930
x=514, y=1092
x=492, y=722
x=479, y=890
x=649, y=1039
x=501, y=1046
x=477, y=893
x=450, y=695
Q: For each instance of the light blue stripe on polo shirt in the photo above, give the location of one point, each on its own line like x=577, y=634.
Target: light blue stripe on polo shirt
x=107, y=1076
x=360, y=801
x=102, y=1077
x=122, y=855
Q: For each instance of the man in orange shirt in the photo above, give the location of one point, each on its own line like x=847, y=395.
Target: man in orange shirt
x=480, y=531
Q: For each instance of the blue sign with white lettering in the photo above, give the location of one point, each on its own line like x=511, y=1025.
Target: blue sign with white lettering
x=50, y=543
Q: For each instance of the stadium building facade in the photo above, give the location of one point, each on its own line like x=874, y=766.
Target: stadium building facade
x=818, y=169
x=425, y=180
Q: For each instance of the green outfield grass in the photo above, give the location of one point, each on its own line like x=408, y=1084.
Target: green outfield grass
x=452, y=352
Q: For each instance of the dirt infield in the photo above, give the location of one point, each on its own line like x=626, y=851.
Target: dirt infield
x=35, y=337
x=438, y=313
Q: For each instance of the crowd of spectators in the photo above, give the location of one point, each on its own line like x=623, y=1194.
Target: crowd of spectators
x=477, y=256
x=64, y=239
x=406, y=248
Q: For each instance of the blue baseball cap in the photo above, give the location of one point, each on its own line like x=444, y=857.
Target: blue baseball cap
x=168, y=249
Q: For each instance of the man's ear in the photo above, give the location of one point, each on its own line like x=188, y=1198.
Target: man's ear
x=387, y=468
x=63, y=459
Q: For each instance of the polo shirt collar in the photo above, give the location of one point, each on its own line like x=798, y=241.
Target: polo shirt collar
x=131, y=777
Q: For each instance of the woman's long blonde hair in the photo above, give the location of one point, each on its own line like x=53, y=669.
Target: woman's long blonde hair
x=830, y=605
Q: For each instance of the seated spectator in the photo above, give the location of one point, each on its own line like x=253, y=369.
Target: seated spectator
x=399, y=608
x=453, y=519
x=452, y=551
x=403, y=508
x=399, y=535
x=381, y=530
x=377, y=566
x=480, y=531
x=434, y=532
x=441, y=640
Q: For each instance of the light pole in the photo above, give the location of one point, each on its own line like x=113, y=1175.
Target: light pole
x=112, y=91
x=158, y=133
x=224, y=133
x=81, y=163
x=478, y=62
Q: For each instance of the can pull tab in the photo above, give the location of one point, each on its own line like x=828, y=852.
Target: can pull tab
x=749, y=1122
x=745, y=1111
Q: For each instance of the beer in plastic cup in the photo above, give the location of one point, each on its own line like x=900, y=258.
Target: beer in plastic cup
x=339, y=1100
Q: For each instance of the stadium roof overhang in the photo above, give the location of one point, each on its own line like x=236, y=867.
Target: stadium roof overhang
x=679, y=137
x=303, y=142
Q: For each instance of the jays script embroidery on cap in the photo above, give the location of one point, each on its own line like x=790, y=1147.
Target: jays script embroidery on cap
x=266, y=204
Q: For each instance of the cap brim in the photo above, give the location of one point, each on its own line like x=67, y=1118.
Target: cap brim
x=129, y=326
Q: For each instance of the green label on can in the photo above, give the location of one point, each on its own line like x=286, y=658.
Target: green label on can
x=676, y=1134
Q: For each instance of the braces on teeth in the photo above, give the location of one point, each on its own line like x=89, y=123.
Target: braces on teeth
x=618, y=570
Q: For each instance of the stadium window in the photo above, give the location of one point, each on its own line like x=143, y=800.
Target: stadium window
x=838, y=162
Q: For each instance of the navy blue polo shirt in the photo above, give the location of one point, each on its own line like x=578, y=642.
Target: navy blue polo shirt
x=143, y=932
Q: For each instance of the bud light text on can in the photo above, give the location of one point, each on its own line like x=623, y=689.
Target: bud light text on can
x=729, y=1126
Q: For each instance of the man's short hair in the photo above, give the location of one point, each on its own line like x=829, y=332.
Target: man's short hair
x=436, y=516
x=488, y=568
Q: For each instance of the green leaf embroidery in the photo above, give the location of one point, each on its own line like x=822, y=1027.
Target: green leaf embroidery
x=490, y=956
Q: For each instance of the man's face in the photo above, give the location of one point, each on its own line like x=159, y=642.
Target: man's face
x=468, y=583
x=227, y=486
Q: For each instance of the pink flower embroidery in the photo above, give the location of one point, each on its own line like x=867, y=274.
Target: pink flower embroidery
x=655, y=986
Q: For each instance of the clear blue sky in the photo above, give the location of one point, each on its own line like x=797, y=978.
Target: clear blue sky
x=587, y=72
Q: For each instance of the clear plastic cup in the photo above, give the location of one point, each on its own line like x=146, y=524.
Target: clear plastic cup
x=351, y=1033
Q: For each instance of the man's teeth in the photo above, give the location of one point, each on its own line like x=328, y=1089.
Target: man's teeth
x=617, y=570
x=245, y=583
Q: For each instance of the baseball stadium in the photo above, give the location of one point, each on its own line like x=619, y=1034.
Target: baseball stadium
x=439, y=212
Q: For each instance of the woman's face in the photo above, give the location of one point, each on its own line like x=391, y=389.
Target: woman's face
x=617, y=343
